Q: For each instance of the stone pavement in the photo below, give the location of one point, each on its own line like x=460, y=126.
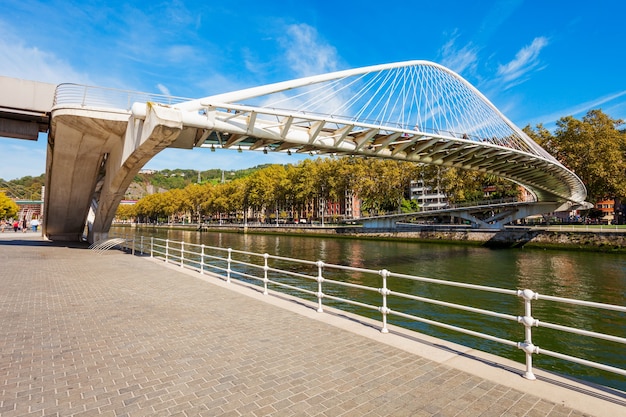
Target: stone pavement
x=117, y=335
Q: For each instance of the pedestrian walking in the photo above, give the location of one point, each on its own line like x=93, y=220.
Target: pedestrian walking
x=16, y=225
x=24, y=225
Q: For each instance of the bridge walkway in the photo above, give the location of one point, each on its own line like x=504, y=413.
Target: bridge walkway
x=119, y=335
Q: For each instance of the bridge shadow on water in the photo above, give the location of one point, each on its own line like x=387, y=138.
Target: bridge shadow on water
x=509, y=239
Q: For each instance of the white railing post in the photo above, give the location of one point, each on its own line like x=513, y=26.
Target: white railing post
x=202, y=259
x=265, y=269
x=167, y=250
x=182, y=254
x=229, y=261
x=384, y=291
x=141, y=245
x=320, y=279
x=152, y=246
x=528, y=321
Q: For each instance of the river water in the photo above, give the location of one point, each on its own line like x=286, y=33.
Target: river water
x=598, y=277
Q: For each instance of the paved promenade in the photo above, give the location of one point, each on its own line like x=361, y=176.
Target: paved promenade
x=116, y=335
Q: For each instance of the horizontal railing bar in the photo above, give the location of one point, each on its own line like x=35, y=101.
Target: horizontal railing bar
x=455, y=328
x=255, y=266
x=351, y=285
x=582, y=361
x=243, y=252
x=219, y=268
x=355, y=303
x=457, y=306
x=217, y=258
x=243, y=274
x=293, y=274
x=454, y=284
x=351, y=269
x=582, y=332
x=300, y=261
x=291, y=287
x=581, y=302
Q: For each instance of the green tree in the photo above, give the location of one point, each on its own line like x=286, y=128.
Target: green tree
x=384, y=183
x=8, y=208
x=125, y=212
x=196, y=196
x=593, y=148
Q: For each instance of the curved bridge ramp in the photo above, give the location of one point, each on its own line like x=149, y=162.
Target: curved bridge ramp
x=104, y=245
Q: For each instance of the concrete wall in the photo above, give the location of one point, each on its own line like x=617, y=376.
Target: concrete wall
x=588, y=240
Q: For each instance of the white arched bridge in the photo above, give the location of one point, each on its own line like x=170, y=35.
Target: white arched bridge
x=413, y=111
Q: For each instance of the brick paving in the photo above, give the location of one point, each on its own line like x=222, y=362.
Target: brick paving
x=116, y=335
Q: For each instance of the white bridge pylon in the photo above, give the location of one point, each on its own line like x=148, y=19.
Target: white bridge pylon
x=415, y=111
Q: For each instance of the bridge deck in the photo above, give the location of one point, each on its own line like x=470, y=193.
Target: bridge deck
x=113, y=334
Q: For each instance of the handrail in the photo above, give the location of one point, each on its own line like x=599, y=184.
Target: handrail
x=85, y=95
x=256, y=267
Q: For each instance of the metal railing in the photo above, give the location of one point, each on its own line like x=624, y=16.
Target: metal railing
x=84, y=95
x=312, y=278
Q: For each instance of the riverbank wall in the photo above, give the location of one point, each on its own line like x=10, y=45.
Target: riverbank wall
x=545, y=238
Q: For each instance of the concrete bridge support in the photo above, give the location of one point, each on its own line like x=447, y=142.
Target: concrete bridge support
x=142, y=141
x=77, y=148
x=92, y=158
x=499, y=219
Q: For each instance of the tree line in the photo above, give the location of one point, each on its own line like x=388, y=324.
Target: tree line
x=294, y=192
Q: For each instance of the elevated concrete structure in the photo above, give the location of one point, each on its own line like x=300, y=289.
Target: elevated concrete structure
x=491, y=216
x=24, y=107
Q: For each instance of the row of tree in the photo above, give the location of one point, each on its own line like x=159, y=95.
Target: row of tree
x=294, y=191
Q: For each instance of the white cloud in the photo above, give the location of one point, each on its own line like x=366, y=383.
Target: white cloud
x=459, y=60
x=526, y=60
x=31, y=63
x=164, y=90
x=306, y=53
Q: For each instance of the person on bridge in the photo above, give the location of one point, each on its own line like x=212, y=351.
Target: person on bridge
x=16, y=225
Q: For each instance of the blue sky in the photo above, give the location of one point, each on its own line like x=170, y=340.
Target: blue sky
x=536, y=61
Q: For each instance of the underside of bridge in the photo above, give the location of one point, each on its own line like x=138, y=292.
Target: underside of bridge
x=95, y=150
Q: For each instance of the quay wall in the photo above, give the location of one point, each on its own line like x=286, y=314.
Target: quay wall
x=592, y=239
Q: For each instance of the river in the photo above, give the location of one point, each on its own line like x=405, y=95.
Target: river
x=591, y=276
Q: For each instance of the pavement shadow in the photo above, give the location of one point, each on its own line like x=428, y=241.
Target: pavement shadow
x=38, y=241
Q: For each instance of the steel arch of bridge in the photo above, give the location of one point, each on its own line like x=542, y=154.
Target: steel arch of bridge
x=415, y=111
